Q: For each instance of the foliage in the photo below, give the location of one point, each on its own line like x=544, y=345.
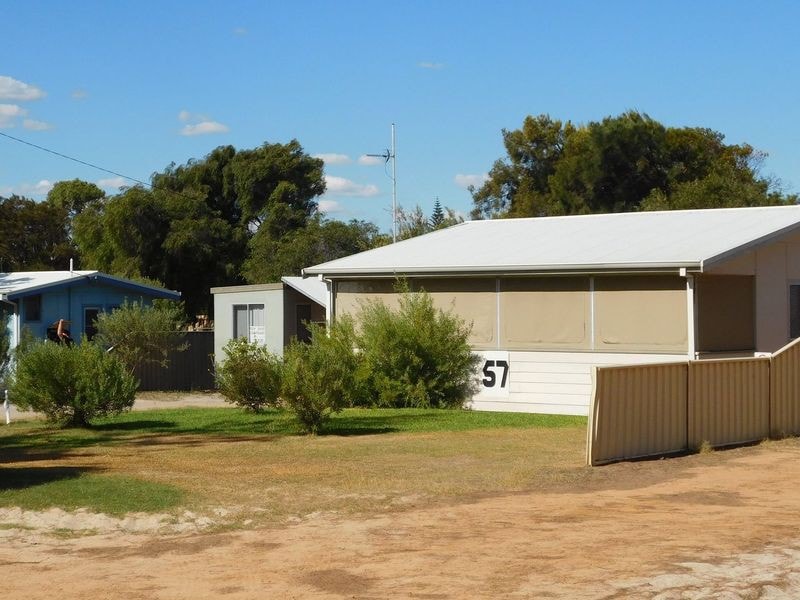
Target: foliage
x=322, y=377
x=75, y=195
x=623, y=163
x=319, y=241
x=5, y=346
x=250, y=376
x=192, y=229
x=414, y=222
x=33, y=236
x=71, y=385
x=417, y=356
x=138, y=333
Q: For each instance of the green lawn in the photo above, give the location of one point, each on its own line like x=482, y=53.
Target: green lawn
x=202, y=458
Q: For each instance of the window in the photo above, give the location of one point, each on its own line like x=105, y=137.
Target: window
x=248, y=322
x=794, y=311
x=32, y=306
x=90, y=315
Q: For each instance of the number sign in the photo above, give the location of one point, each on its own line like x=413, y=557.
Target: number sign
x=494, y=374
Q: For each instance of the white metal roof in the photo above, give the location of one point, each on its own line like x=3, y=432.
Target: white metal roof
x=21, y=281
x=24, y=282
x=311, y=288
x=621, y=241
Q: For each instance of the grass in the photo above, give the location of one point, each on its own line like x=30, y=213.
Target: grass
x=206, y=458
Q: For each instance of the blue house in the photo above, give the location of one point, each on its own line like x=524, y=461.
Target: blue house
x=36, y=300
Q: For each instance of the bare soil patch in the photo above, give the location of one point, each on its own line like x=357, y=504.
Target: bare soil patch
x=718, y=525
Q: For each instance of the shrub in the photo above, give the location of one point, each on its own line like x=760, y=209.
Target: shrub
x=138, y=333
x=71, y=385
x=5, y=346
x=417, y=356
x=322, y=377
x=250, y=375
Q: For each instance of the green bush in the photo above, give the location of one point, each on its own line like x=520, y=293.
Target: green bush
x=417, y=356
x=322, y=377
x=71, y=385
x=250, y=375
x=139, y=333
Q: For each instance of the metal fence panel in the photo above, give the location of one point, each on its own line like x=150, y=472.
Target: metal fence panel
x=191, y=369
x=728, y=401
x=784, y=393
x=637, y=411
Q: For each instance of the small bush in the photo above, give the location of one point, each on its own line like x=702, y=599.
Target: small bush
x=322, y=377
x=138, y=333
x=417, y=356
x=250, y=375
x=71, y=385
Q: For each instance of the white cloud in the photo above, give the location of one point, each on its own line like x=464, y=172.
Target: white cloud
x=330, y=206
x=370, y=160
x=28, y=189
x=339, y=186
x=197, y=124
x=240, y=31
x=9, y=112
x=334, y=159
x=204, y=128
x=430, y=65
x=34, y=125
x=464, y=181
x=13, y=89
x=79, y=94
x=113, y=183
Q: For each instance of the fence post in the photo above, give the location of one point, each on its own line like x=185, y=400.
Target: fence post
x=6, y=407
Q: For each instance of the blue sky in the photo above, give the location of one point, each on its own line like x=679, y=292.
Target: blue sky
x=134, y=86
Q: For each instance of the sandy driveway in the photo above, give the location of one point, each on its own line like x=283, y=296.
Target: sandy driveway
x=720, y=525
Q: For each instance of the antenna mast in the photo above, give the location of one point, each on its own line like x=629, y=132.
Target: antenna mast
x=387, y=156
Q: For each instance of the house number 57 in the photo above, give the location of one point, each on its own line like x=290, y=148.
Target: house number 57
x=491, y=370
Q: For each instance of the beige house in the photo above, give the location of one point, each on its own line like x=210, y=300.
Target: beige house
x=549, y=298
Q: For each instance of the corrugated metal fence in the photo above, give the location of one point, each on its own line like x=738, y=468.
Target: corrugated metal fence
x=651, y=410
x=190, y=369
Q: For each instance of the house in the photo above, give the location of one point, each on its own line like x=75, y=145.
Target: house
x=550, y=298
x=35, y=300
x=270, y=313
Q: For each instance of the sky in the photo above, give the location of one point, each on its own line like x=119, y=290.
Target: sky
x=134, y=86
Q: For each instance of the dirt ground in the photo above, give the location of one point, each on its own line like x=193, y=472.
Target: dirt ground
x=717, y=525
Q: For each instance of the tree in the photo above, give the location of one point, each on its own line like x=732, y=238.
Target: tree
x=5, y=346
x=319, y=241
x=192, y=229
x=33, y=235
x=623, y=163
x=413, y=223
x=74, y=196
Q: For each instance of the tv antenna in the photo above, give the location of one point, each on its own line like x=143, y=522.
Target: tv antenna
x=388, y=155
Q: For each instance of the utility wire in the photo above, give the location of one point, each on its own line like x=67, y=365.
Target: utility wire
x=99, y=168
x=77, y=160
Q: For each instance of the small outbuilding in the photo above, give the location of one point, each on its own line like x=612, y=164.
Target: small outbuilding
x=550, y=298
x=270, y=314
x=37, y=300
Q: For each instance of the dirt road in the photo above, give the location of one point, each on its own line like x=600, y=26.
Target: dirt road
x=720, y=525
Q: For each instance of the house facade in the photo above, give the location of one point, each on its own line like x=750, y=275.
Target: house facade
x=550, y=298
x=36, y=300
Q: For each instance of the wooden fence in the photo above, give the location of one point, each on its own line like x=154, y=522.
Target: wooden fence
x=190, y=369
x=650, y=410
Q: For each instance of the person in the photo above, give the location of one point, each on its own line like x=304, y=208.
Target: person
x=59, y=332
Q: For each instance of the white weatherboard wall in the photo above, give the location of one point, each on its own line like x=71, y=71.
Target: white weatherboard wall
x=557, y=383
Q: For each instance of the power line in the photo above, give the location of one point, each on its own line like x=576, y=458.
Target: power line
x=77, y=160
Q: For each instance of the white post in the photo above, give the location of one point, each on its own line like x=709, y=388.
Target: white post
x=7, y=408
x=394, y=189
x=691, y=318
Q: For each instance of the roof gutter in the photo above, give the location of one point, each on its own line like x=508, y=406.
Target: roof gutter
x=679, y=268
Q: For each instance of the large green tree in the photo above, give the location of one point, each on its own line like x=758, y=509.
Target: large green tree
x=623, y=163
x=192, y=229
x=33, y=235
